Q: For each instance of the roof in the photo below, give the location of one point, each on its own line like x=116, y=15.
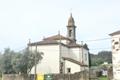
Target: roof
x=57, y=37
x=115, y=33
x=71, y=21
x=44, y=42
x=86, y=46
x=52, y=40
x=74, y=61
x=73, y=44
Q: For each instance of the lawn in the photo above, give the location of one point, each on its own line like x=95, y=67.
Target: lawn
x=103, y=78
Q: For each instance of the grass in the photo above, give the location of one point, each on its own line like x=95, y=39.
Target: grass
x=103, y=78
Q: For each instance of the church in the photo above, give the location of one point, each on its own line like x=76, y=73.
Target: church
x=62, y=54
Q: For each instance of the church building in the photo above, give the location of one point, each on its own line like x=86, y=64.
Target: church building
x=62, y=54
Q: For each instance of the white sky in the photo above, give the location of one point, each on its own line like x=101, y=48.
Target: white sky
x=35, y=19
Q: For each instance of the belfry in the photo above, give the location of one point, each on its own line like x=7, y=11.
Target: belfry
x=71, y=29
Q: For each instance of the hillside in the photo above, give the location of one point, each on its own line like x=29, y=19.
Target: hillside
x=101, y=57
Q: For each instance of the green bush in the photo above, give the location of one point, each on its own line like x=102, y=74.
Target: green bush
x=103, y=78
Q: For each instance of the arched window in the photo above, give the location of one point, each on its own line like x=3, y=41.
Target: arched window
x=70, y=33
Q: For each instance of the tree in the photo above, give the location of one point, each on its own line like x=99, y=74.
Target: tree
x=18, y=62
x=106, y=56
x=0, y=65
x=28, y=60
x=100, y=58
x=6, y=61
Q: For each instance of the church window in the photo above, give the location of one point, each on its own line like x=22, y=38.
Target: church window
x=70, y=33
x=61, y=67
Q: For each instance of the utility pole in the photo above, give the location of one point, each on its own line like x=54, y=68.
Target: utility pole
x=60, y=61
x=89, y=65
x=82, y=52
x=35, y=62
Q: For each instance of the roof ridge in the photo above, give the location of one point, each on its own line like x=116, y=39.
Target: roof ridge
x=57, y=37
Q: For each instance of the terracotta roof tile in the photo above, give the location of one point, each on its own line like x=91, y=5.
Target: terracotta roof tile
x=52, y=40
x=44, y=42
x=57, y=37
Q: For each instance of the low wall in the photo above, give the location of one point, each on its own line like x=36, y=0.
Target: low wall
x=15, y=77
x=110, y=73
x=84, y=75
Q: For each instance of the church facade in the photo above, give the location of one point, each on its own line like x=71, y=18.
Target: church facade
x=62, y=54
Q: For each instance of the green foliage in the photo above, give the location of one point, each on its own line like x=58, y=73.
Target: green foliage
x=103, y=78
x=6, y=61
x=100, y=58
x=28, y=60
x=18, y=62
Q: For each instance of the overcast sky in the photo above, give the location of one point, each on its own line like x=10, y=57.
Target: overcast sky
x=21, y=20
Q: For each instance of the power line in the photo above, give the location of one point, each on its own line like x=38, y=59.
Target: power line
x=101, y=48
x=100, y=39
x=96, y=40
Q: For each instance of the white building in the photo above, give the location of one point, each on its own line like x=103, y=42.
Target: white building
x=61, y=54
x=116, y=54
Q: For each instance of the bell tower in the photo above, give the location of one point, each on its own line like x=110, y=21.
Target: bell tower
x=71, y=29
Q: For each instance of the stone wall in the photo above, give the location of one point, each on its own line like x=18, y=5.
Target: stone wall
x=15, y=77
x=76, y=76
x=110, y=73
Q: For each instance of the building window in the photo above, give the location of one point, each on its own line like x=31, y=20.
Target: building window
x=61, y=67
x=70, y=33
x=68, y=70
x=85, y=57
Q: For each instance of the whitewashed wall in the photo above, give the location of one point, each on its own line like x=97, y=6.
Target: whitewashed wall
x=84, y=56
x=50, y=61
x=64, y=51
x=76, y=52
x=68, y=52
x=74, y=67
